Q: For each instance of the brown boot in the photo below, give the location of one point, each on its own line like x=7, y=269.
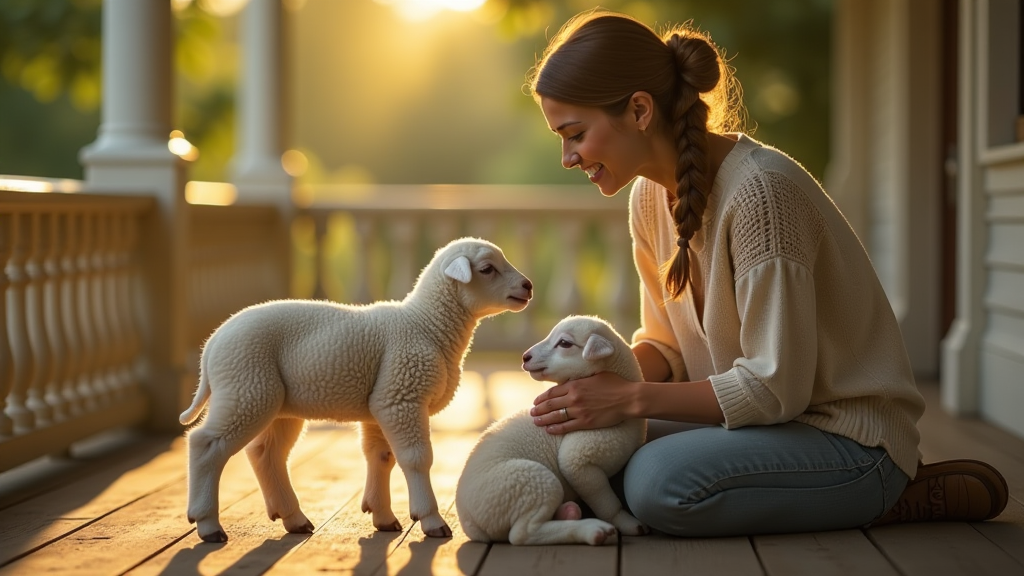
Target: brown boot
x=956, y=490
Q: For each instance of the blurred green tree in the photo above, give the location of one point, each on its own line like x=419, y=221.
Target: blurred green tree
x=50, y=87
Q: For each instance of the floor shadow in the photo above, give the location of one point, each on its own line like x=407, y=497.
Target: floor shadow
x=261, y=558
x=187, y=561
x=374, y=550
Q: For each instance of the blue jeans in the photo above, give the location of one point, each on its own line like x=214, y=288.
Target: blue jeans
x=792, y=477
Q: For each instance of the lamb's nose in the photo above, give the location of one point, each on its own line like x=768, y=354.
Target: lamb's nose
x=527, y=284
x=527, y=357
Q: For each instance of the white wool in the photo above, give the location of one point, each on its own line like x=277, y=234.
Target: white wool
x=518, y=474
x=388, y=365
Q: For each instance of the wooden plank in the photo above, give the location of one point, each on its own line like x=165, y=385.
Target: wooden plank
x=417, y=554
x=255, y=543
x=565, y=560
x=112, y=538
x=98, y=454
x=51, y=516
x=1006, y=531
x=347, y=543
x=937, y=548
x=813, y=554
x=661, y=554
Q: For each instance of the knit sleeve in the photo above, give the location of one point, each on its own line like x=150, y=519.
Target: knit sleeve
x=655, y=328
x=775, y=232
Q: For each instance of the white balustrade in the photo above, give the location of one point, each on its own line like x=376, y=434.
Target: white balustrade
x=559, y=236
x=68, y=347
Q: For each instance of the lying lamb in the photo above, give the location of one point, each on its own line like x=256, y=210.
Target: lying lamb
x=388, y=366
x=518, y=475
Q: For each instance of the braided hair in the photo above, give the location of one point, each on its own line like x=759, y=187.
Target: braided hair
x=601, y=59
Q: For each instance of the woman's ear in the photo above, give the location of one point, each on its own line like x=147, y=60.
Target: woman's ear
x=641, y=106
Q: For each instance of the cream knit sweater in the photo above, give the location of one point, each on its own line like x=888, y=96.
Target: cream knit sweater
x=797, y=324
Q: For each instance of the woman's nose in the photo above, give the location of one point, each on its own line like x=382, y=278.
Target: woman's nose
x=569, y=159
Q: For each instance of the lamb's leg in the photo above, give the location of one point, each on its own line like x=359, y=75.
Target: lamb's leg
x=379, y=463
x=207, y=455
x=538, y=529
x=268, y=454
x=410, y=440
x=591, y=483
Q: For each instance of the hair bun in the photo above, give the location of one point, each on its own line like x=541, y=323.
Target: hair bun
x=697, y=61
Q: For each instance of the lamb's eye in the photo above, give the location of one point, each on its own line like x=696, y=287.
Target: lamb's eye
x=563, y=343
x=487, y=269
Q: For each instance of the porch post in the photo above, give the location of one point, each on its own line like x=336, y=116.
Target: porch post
x=130, y=156
x=260, y=141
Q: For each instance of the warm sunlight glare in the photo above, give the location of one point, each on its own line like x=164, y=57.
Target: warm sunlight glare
x=179, y=146
x=419, y=10
x=211, y=193
x=467, y=410
x=510, y=391
x=20, y=185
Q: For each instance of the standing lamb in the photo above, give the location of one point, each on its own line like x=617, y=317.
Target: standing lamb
x=388, y=366
x=518, y=475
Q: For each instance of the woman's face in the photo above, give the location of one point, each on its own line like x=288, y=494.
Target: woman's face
x=610, y=150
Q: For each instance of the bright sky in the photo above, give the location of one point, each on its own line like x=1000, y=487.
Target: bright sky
x=417, y=10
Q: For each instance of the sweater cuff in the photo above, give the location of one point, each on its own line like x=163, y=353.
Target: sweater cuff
x=739, y=411
x=673, y=357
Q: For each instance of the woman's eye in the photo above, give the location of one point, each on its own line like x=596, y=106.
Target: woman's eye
x=487, y=269
x=576, y=137
x=563, y=343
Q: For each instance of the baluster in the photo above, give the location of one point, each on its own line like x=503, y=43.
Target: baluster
x=441, y=229
x=564, y=294
x=105, y=319
x=484, y=226
x=17, y=328
x=115, y=350
x=365, y=226
x=521, y=325
x=400, y=278
x=319, y=219
x=126, y=301
x=52, y=317
x=42, y=367
x=86, y=328
x=79, y=397
x=6, y=358
x=618, y=275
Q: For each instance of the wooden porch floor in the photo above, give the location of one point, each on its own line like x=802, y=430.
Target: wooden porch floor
x=119, y=507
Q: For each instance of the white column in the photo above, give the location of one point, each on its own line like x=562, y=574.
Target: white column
x=260, y=141
x=130, y=156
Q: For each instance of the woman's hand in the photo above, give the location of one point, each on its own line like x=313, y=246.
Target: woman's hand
x=599, y=401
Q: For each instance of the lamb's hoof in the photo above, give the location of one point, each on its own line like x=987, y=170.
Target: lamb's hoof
x=216, y=538
x=440, y=532
x=191, y=520
x=395, y=526
x=306, y=528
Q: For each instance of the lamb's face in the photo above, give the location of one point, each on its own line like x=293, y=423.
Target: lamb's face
x=577, y=347
x=488, y=283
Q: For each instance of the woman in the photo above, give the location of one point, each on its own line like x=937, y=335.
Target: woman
x=761, y=314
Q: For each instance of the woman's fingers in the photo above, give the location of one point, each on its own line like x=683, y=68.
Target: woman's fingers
x=543, y=404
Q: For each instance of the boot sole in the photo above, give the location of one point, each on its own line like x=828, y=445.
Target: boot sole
x=999, y=492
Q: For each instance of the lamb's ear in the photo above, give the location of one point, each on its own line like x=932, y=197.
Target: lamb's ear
x=597, y=347
x=459, y=270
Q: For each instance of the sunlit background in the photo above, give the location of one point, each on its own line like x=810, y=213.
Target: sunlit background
x=390, y=91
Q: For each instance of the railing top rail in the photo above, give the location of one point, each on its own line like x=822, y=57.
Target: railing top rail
x=22, y=202
x=465, y=197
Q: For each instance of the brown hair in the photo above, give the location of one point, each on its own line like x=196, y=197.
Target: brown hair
x=601, y=59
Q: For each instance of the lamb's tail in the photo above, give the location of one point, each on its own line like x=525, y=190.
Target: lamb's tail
x=199, y=402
